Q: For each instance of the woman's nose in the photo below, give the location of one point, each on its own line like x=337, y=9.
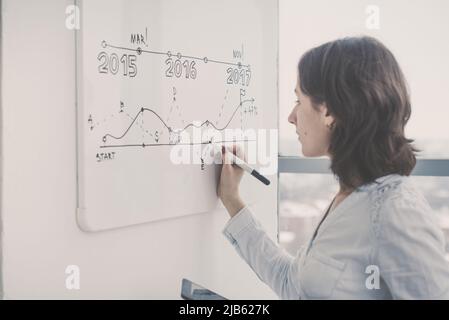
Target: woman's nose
x=292, y=117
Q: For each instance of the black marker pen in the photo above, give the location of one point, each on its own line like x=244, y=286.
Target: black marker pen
x=242, y=164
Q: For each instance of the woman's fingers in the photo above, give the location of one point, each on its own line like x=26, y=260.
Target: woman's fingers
x=227, y=159
x=237, y=150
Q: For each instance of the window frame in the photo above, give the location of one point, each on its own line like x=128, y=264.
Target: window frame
x=295, y=164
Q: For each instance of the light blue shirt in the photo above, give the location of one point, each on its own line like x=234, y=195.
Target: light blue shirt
x=380, y=242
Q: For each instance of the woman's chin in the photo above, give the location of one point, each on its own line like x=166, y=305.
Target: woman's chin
x=306, y=154
x=304, y=151
x=310, y=153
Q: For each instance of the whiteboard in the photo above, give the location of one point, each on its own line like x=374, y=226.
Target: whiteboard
x=159, y=80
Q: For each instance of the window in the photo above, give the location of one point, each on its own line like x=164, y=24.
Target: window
x=303, y=198
x=306, y=186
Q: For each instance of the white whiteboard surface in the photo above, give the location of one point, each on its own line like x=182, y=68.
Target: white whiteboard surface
x=148, y=74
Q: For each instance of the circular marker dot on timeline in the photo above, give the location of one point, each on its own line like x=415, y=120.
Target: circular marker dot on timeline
x=169, y=54
x=205, y=60
x=104, y=44
x=179, y=55
x=139, y=50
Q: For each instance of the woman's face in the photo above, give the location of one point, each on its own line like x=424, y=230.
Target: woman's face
x=312, y=125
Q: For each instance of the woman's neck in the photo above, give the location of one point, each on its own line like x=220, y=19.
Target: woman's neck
x=341, y=195
x=355, y=183
x=345, y=189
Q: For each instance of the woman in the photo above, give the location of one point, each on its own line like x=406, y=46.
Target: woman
x=379, y=238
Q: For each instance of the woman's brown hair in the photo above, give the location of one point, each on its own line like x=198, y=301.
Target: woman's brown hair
x=364, y=89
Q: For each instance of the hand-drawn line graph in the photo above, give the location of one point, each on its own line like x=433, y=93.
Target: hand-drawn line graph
x=169, y=128
x=242, y=73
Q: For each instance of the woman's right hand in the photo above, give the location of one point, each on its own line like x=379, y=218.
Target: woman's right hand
x=231, y=175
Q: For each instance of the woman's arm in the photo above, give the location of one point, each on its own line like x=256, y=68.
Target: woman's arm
x=272, y=264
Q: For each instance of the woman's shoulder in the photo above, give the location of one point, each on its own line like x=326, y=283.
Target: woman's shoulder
x=395, y=188
x=408, y=243
x=396, y=202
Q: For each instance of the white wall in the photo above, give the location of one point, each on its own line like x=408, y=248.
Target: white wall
x=40, y=236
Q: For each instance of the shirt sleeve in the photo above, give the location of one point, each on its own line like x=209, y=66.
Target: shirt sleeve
x=410, y=251
x=272, y=264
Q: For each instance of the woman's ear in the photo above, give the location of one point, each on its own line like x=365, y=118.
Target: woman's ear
x=328, y=119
